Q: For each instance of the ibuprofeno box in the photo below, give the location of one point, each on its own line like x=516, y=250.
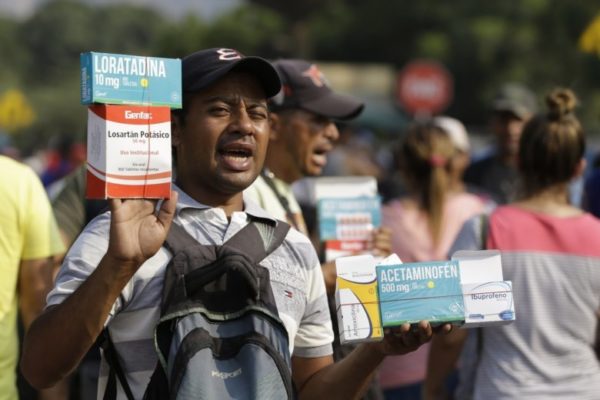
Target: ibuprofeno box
x=411, y=292
x=488, y=304
x=356, y=299
x=127, y=79
x=488, y=298
x=128, y=152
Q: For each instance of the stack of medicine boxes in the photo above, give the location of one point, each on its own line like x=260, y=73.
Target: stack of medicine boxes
x=129, y=123
x=468, y=290
x=348, y=209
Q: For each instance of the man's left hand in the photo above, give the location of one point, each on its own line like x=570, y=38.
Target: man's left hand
x=405, y=339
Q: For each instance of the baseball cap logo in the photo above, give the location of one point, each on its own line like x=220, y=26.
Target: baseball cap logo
x=228, y=55
x=316, y=76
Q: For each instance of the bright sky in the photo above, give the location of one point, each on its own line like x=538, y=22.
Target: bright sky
x=176, y=8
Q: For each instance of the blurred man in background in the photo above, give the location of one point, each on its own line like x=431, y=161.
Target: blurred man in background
x=302, y=134
x=496, y=173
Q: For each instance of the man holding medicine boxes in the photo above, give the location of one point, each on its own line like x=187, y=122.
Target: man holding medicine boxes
x=112, y=276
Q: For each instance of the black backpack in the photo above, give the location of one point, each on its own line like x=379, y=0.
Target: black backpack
x=219, y=335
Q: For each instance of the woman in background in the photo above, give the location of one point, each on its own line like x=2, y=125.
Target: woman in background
x=551, y=253
x=424, y=224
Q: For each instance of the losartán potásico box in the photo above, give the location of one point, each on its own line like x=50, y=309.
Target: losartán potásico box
x=128, y=152
x=127, y=79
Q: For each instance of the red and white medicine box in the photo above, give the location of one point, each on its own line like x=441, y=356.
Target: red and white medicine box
x=128, y=152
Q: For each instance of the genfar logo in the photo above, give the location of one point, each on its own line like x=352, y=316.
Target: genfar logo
x=228, y=54
x=137, y=115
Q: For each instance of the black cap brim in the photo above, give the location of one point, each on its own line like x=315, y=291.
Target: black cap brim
x=259, y=67
x=334, y=106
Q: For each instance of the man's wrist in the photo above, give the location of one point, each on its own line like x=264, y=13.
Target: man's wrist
x=121, y=266
x=374, y=351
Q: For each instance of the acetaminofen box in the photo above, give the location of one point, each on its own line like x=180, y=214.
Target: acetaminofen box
x=127, y=79
x=411, y=292
x=128, y=152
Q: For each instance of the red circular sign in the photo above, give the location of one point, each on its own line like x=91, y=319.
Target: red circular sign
x=424, y=87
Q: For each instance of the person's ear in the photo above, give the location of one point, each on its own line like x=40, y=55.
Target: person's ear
x=274, y=126
x=580, y=168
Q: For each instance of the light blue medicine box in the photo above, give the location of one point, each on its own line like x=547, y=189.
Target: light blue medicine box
x=411, y=292
x=127, y=79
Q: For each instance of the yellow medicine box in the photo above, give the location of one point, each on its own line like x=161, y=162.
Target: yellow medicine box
x=356, y=299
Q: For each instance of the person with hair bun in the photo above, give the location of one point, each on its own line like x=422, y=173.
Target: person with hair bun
x=551, y=252
x=424, y=224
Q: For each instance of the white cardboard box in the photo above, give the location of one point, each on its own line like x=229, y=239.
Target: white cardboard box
x=357, y=306
x=128, y=152
x=488, y=304
x=487, y=297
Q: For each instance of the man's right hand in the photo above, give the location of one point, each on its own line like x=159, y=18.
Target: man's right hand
x=136, y=231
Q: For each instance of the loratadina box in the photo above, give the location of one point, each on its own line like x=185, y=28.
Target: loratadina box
x=126, y=79
x=129, y=152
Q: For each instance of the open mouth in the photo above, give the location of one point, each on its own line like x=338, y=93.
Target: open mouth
x=319, y=155
x=236, y=153
x=237, y=156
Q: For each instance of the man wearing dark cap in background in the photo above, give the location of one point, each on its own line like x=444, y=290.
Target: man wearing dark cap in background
x=496, y=174
x=303, y=132
x=114, y=273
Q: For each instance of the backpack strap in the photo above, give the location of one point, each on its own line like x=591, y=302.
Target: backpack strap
x=259, y=238
x=484, y=222
x=269, y=177
x=116, y=372
x=178, y=239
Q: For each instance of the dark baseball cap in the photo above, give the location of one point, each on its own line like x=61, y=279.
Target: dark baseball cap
x=204, y=67
x=515, y=98
x=304, y=86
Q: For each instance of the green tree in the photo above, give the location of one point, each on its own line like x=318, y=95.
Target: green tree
x=181, y=38
x=54, y=37
x=250, y=29
x=13, y=53
x=482, y=44
x=297, y=38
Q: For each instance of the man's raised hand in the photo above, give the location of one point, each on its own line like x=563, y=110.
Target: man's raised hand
x=136, y=231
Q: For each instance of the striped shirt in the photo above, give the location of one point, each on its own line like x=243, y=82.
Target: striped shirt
x=296, y=281
x=554, y=264
x=265, y=196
